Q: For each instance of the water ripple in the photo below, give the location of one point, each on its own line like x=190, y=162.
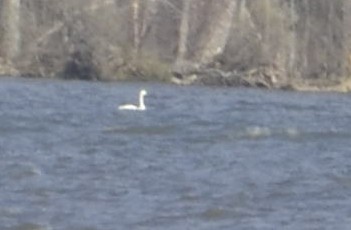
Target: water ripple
x=198, y=158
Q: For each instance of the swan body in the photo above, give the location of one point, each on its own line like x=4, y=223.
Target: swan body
x=139, y=107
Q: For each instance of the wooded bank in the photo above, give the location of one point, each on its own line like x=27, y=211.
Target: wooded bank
x=300, y=44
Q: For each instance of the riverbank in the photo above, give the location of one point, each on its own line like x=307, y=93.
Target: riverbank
x=289, y=45
x=267, y=44
x=263, y=77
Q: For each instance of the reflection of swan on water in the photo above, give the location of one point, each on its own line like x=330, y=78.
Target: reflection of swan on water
x=141, y=105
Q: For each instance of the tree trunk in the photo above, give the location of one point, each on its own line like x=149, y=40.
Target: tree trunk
x=291, y=65
x=136, y=28
x=150, y=8
x=11, y=30
x=347, y=36
x=216, y=33
x=183, y=32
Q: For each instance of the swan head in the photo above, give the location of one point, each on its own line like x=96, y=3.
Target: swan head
x=143, y=92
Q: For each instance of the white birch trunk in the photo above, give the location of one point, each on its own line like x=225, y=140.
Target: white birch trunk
x=136, y=27
x=183, y=32
x=11, y=30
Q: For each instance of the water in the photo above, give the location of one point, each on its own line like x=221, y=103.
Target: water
x=199, y=158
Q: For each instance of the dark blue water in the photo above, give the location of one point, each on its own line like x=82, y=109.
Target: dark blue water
x=198, y=158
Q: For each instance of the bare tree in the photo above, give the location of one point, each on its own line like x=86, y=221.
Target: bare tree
x=183, y=32
x=136, y=27
x=302, y=37
x=11, y=29
x=216, y=33
x=347, y=35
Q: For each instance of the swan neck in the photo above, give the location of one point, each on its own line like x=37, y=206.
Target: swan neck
x=141, y=101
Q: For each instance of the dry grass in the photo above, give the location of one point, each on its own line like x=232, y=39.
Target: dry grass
x=342, y=86
x=145, y=68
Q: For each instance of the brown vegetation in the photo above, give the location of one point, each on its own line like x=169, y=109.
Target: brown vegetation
x=298, y=44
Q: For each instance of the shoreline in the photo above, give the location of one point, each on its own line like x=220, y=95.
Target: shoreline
x=257, y=78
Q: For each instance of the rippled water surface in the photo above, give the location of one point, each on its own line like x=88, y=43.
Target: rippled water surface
x=199, y=158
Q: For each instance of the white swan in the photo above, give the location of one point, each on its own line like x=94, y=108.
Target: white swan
x=139, y=107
